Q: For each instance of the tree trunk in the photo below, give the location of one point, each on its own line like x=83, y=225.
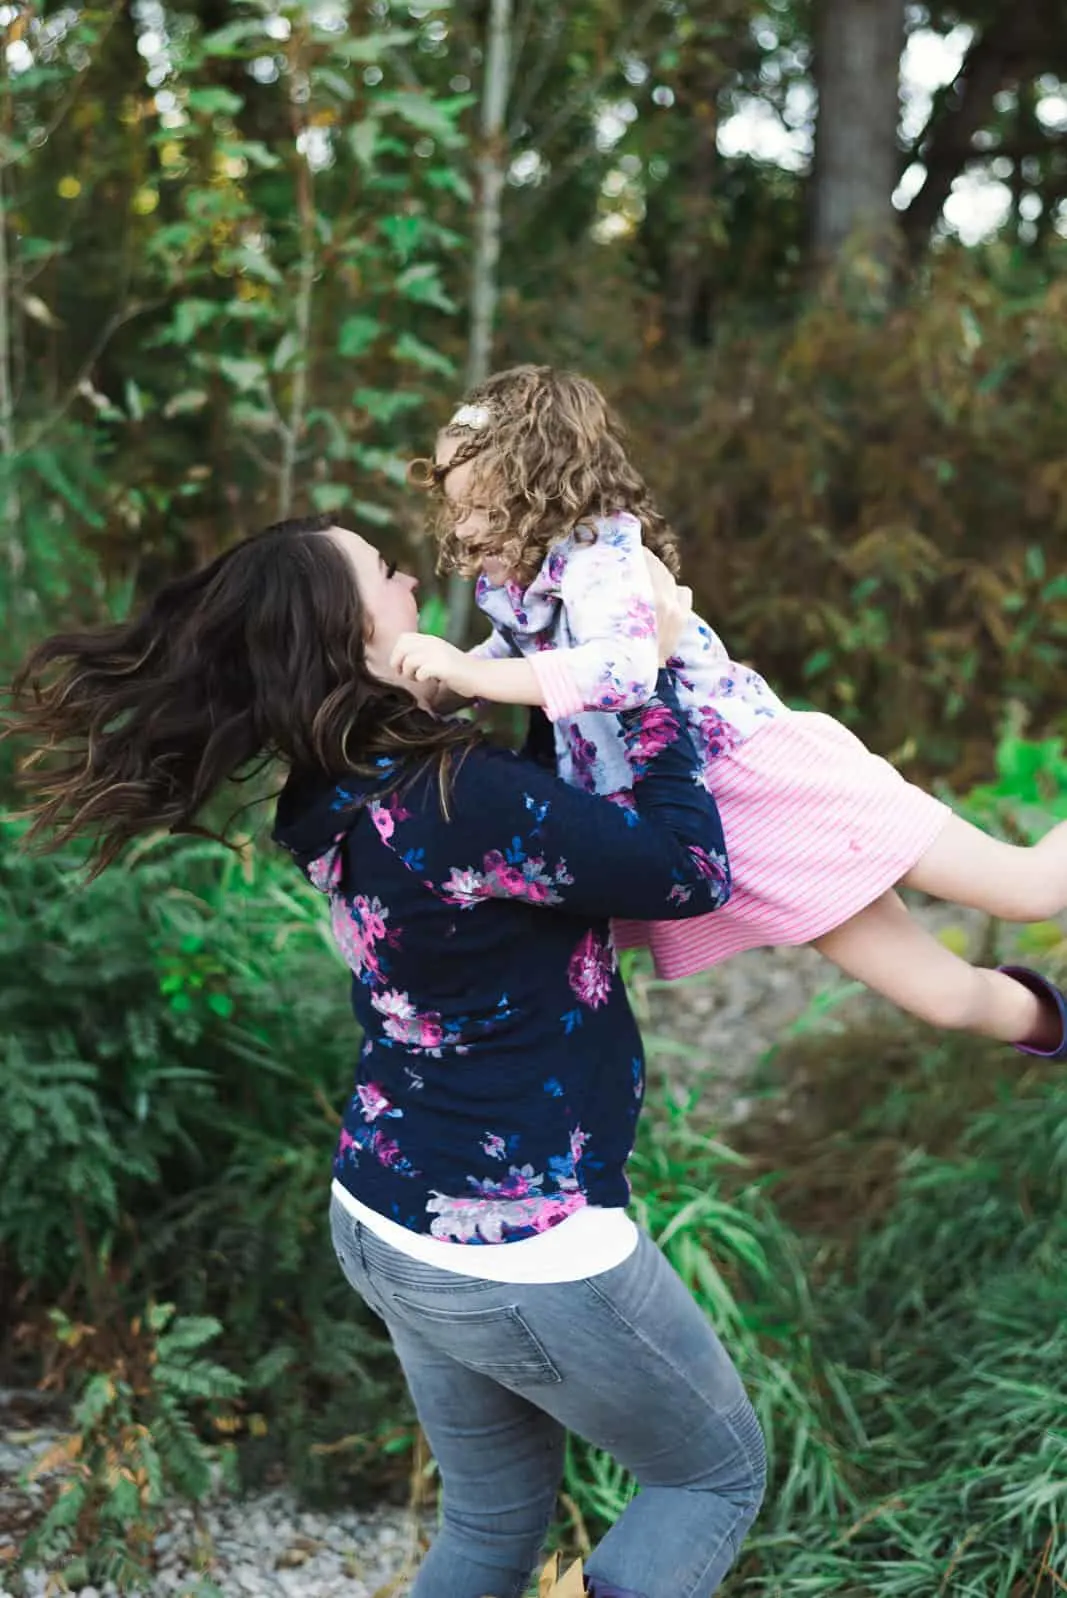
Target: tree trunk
x=858, y=45
x=492, y=172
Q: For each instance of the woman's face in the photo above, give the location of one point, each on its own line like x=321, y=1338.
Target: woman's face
x=388, y=599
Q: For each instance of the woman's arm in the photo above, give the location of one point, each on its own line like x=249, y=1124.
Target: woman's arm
x=517, y=833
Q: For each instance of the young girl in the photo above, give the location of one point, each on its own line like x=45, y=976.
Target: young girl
x=540, y=500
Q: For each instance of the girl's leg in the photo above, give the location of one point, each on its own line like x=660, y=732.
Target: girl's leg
x=966, y=866
x=888, y=950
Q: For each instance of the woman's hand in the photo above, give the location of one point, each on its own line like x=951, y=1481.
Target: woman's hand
x=674, y=606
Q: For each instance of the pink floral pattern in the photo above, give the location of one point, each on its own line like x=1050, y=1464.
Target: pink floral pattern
x=592, y=970
x=526, y=877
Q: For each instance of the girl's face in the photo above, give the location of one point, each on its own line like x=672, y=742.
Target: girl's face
x=388, y=599
x=462, y=491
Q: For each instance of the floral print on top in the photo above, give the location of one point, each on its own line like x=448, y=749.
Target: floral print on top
x=500, y=1075
x=587, y=623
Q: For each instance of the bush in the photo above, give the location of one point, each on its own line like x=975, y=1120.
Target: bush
x=178, y=1045
x=875, y=510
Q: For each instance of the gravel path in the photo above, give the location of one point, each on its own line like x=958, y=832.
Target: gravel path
x=716, y=1028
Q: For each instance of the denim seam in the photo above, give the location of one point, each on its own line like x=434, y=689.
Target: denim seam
x=727, y=1417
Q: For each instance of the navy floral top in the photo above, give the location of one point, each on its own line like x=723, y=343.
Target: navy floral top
x=501, y=1072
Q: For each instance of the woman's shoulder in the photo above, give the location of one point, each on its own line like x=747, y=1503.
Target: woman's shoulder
x=475, y=779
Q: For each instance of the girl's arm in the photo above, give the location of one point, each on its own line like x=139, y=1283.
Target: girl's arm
x=609, y=592
x=453, y=691
x=609, y=596
x=518, y=833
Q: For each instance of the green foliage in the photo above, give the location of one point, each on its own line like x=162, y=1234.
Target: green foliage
x=933, y=1198
x=178, y=1043
x=133, y=1442
x=1030, y=787
x=260, y=336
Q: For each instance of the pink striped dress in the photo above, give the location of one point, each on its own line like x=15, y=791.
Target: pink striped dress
x=817, y=827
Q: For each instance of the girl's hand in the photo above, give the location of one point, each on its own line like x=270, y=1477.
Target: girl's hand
x=420, y=657
x=674, y=606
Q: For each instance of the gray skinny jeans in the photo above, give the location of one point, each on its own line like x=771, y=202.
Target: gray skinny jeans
x=500, y=1372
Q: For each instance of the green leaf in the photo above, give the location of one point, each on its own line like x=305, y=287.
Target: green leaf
x=215, y=101
x=357, y=334
x=423, y=285
x=423, y=113
x=433, y=616
x=410, y=348
x=372, y=46
x=452, y=181
x=42, y=249
x=186, y=403
x=227, y=41
x=286, y=353
x=329, y=497
x=392, y=466
x=243, y=373
x=189, y=318
x=405, y=233
x=46, y=465
x=134, y=401
x=363, y=140
x=254, y=151
x=341, y=86
x=377, y=515
x=254, y=263
x=386, y=404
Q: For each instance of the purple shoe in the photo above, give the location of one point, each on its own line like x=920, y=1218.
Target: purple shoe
x=1043, y=989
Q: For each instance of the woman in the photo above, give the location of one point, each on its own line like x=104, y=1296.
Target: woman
x=479, y=1193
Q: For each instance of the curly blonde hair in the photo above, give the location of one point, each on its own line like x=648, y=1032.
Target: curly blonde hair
x=550, y=456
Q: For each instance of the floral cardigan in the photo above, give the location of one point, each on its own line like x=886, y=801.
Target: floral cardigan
x=501, y=1071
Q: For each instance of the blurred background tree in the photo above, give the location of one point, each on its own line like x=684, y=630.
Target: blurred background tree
x=250, y=254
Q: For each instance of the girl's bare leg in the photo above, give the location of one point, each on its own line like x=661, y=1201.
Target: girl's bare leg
x=888, y=950
x=966, y=866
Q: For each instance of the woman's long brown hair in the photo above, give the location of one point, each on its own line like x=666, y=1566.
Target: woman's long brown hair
x=258, y=656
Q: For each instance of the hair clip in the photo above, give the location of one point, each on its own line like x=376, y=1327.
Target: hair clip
x=473, y=416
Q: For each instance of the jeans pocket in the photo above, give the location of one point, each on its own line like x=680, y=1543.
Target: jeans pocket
x=496, y=1341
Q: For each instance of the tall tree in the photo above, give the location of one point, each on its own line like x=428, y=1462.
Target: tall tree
x=857, y=51
x=491, y=163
